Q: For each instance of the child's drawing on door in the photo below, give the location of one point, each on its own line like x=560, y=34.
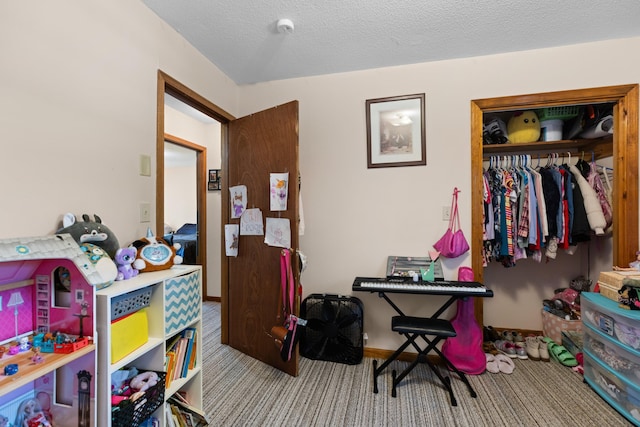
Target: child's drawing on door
x=238, y=200
x=279, y=187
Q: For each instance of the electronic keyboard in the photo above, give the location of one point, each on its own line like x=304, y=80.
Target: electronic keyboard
x=408, y=286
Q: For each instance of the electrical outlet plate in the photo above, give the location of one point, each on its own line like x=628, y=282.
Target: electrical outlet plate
x=446, y=213
x=145, y=212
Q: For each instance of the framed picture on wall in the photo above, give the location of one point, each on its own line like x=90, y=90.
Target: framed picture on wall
x=396, y=131
x=214, y=180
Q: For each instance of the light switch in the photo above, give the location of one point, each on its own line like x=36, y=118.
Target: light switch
x=145, y=165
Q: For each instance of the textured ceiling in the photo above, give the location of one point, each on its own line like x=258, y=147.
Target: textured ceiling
x=333, y=36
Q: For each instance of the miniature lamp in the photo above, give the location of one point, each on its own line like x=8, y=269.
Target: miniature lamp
x=14, y=301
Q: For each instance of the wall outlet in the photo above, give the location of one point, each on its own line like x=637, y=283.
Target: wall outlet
x=145, y=212
x=446, y=213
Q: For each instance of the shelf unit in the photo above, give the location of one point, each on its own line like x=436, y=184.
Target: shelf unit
x=42, y=305
x=175, y=304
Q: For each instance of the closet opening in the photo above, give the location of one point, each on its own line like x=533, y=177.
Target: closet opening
x=617, y=152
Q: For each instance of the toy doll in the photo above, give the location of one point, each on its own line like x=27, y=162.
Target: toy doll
x=30, y=415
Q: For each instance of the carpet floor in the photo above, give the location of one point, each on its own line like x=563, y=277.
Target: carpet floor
x=241, y=391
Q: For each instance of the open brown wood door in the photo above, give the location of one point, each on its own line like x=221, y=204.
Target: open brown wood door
x=258, y=145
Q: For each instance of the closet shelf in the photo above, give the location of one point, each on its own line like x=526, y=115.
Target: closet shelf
x=601, y=147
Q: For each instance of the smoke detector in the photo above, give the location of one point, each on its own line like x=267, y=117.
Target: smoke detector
x=285, y=26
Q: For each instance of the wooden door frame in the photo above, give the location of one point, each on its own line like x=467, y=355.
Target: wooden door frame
x=625, y=163
x=167, y=84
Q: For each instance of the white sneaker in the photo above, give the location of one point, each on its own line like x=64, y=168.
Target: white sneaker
x=533, y=347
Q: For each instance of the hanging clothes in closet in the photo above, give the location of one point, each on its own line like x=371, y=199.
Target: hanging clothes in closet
x=532, y=212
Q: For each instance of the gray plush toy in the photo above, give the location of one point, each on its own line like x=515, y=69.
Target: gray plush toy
x=88, y=231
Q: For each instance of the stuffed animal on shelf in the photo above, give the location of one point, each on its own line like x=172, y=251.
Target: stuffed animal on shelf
x=125, y=259
x=628, y=298
x=90, y=231
x=135, y=388
x=155, y=253
x=523, y=126
x=101, y=261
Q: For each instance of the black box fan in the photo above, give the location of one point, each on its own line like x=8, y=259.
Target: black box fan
x=334, y=328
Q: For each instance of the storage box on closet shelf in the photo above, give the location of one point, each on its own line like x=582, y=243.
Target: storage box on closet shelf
x=558, y=113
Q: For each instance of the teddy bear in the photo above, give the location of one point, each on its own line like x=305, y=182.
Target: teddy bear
x=125, y=259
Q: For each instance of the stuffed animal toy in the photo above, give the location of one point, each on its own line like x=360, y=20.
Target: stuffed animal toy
x=88, y=231
x=628, y=298
x=125, y=258
x=524, y=126
x=101, y=262
x=135, y=388
x=155, y=253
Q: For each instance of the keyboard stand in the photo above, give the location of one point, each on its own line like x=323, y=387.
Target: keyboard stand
x=423, y=327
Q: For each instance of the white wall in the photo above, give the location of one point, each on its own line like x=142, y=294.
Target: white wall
x=356, y=217
x=180, y=195
x=78, y=108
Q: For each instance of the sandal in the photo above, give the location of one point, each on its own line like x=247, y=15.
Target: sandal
x=492, y=363
x=505, y=364
x=561, y=354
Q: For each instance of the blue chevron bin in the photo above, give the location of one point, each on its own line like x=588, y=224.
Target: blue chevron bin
x=182, y=302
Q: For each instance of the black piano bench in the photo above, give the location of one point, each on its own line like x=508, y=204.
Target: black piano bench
x=438, y=329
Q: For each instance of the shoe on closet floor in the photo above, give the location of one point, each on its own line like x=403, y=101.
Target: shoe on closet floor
x=517, y=336
x=521, y=351
x=533, y=347
x=543, y=348
x=506, y=336
x=505, y=364
x=506, y=347
x=489, y=334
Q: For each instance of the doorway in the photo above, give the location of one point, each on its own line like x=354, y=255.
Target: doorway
x=173, y=92
x=184, y=162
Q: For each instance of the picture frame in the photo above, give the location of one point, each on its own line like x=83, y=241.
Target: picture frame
x=214, y=180
x=396, y=131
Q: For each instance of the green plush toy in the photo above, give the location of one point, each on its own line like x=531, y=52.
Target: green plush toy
x=524, y=126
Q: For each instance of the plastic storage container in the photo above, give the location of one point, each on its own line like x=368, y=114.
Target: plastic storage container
x=551, y=130
x=625, y=362
x=618, y=392
x=604, y=315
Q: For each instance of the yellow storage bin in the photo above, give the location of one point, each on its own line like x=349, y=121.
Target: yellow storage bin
x=129, y=333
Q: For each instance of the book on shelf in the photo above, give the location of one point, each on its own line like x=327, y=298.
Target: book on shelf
x=170, y=366
x=180, y=353
x=190, y=335
x=194, y=353
x=194, y=417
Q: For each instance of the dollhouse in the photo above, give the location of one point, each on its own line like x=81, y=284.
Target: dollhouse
x=47, y=325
